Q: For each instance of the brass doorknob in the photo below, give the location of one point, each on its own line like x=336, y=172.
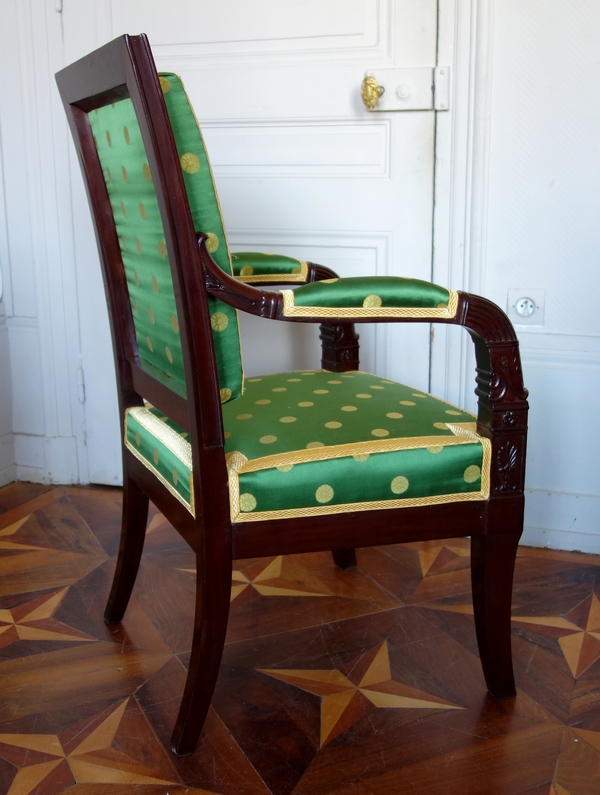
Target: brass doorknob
x=370, y=91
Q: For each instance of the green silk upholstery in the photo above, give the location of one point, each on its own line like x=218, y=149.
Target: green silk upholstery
x=315, y=442
x=296, y=444
x=249, y=266
x=162, y=446
x=365, y=296
x=142, y=240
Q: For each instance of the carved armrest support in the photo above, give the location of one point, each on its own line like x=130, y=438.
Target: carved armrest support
x=502, y=397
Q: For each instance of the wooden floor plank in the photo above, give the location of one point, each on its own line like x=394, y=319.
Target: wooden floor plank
x=332, y=682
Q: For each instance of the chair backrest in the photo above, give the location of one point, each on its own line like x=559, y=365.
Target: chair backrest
x=144, y=252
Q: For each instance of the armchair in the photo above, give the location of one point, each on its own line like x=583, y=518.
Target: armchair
x=287, y=462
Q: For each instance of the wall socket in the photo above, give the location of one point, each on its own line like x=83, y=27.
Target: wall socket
x=526, y=305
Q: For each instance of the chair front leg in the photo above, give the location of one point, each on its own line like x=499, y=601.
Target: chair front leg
x=344, y=558
x=213, y=594
x=133, y=532
x=492, y=566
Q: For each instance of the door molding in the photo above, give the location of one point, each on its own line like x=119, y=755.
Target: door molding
x=462, y=182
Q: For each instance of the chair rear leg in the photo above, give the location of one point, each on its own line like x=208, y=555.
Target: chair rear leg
x=344, y=558
x=133, y=532
x=213, y=594
x=492, y=568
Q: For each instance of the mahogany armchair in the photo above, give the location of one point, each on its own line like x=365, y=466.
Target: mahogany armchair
x=288, y=462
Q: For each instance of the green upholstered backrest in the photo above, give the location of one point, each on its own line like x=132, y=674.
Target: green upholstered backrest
x=142, y=239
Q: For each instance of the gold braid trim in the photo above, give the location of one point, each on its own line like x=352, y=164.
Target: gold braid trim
x=432, y=313
x=172, y=441
x=278, y=278
x=238, y=462
x=349, y=507
x=169, y=486
x=486, y=462
x=163, y=432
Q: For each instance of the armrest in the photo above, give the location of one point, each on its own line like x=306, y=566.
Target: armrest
x=502, y=397
x=378, y=297
x=251, y=267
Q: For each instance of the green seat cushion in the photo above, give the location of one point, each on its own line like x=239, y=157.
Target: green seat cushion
x=315, y=442
x=250, y=266
x=142, y=239
x=368, y=296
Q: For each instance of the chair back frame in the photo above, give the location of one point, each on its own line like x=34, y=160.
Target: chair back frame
x=125, y=68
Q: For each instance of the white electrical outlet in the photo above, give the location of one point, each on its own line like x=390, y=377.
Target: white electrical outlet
x=525, y=306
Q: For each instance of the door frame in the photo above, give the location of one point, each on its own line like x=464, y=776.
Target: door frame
x=465, y=35
x=459, y=222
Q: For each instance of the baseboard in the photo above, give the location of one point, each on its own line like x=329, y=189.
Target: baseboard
x=559, y=539
x=41, y=459
x=559, y=520
x=8, y=475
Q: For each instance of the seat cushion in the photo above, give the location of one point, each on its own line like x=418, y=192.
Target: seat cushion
x=315, y=442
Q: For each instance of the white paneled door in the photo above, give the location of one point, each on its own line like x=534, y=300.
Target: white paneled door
x=301, y=166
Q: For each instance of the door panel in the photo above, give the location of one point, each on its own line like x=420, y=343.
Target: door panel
x=301, y=167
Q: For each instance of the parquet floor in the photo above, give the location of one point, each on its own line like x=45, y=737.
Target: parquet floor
x=353, y=683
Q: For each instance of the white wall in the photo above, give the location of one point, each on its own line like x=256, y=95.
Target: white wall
x=36, y=257
x=543, y=231
x=517, y=207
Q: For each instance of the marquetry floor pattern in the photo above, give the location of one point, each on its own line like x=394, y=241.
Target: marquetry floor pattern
x=347, y=683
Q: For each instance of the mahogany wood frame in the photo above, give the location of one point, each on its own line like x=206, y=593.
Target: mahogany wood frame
x=125, y=67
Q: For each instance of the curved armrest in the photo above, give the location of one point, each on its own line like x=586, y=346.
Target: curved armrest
x=378, y=297
x=252, y=267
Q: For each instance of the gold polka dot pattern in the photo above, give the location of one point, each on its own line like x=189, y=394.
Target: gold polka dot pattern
x=190, y=162
x=219, y=321
x=324, y=493
x=471, y=474
x=247, y=502
x=212, y=243
x=399, y=484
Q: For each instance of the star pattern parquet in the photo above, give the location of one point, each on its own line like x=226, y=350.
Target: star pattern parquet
x=362, y=682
